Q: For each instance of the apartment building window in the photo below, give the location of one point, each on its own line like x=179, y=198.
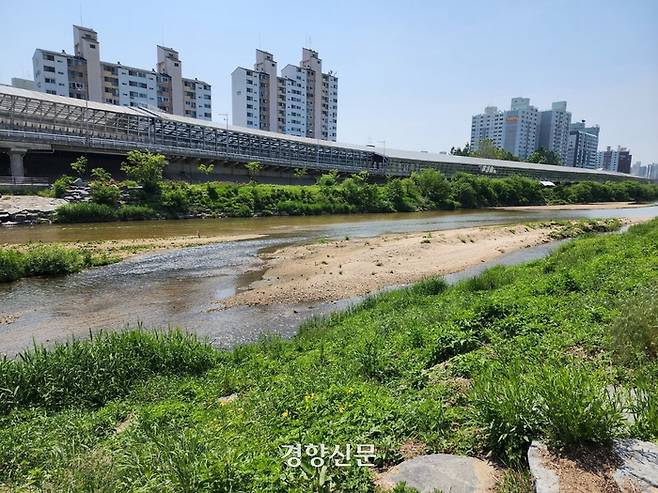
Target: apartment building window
x=48, y=68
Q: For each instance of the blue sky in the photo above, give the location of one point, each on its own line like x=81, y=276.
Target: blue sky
x=410, y=73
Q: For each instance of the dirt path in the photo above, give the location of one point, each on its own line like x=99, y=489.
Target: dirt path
x=342, y=269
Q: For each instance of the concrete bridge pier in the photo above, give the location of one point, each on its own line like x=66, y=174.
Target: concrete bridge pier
x=16, y=162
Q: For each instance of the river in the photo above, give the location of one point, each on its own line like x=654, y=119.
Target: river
x=181, y=287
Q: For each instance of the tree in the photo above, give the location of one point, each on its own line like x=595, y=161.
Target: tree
x=206, y=169
x=253, y=168
x=488, y=149
x=458, y=151
x=432, y=185
x=103, y=188
x=544, y=156
x=300, y=172
x=145, y=168
x=79, y=166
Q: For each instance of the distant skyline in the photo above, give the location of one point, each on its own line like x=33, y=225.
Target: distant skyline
x=411, y=74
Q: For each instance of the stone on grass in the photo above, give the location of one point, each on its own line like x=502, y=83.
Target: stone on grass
x=545, y=479
x=444, y=472
x=639, y=470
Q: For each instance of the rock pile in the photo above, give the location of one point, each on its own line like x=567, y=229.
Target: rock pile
x=27, y=209
x=78, y=193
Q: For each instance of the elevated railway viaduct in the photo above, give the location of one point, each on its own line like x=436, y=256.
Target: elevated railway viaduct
x=40, y=132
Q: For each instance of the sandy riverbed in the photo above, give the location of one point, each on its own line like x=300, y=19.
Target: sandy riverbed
x=342, y=269
x=575, y=207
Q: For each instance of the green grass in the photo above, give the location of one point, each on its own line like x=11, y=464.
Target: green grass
x=480, y=368
x=90, y=373
x=35, y=259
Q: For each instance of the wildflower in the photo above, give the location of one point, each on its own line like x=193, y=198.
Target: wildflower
x=284, y=414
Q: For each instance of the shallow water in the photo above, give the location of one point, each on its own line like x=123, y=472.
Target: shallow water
x=181, y=287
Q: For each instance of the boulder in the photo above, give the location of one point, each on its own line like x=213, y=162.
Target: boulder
x=545, y=479
x=445, y=472
x=639, y=469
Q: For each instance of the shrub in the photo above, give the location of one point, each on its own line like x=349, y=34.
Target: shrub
x=89, y=373
x=507, y=407
x=52, y=260
x=12, y=264
x=61, y=185
x=104, y=193
x=490, y=279
x=84, y=212
x=429, y=287
x=567, y=404
x=145, y=168
x=577, y=408
x=634, y=332
x=135, y=213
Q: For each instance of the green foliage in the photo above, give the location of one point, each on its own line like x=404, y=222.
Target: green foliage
x=145, y=168
x=103, y=189
x=39, y=260
x=567, y=404
x=130, y=212
x=253, y=167
x=544, y=156
x=61, y=185
x=634, y=333
x=12, y=264
x=85, y=212
x=433, y=186
x=206, y=169
x=487, y=149
x=79, y=166
x=467, y=371
x=90, y=373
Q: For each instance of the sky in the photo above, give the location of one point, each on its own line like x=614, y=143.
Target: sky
x=411, y=73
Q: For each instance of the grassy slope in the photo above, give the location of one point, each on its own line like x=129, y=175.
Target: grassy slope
x=421, y=363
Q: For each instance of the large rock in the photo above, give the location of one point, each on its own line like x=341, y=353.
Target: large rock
x=631, y=465
x=454, y=473
x=545, y=479
x=639, y=470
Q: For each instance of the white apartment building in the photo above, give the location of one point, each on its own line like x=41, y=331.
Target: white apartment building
x=523, y=129
x=83, y=75
x=302, y=101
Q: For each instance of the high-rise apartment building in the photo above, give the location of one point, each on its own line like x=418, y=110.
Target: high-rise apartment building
x=521, y=128
x=554, y=130
x=83, y=75
x=515, y=130
x=487, y=126
x=583, y=146
x=615, y=160
x=301, y=101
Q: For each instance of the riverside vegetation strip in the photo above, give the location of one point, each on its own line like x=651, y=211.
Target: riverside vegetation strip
x=424, y=190
x=479, y=368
